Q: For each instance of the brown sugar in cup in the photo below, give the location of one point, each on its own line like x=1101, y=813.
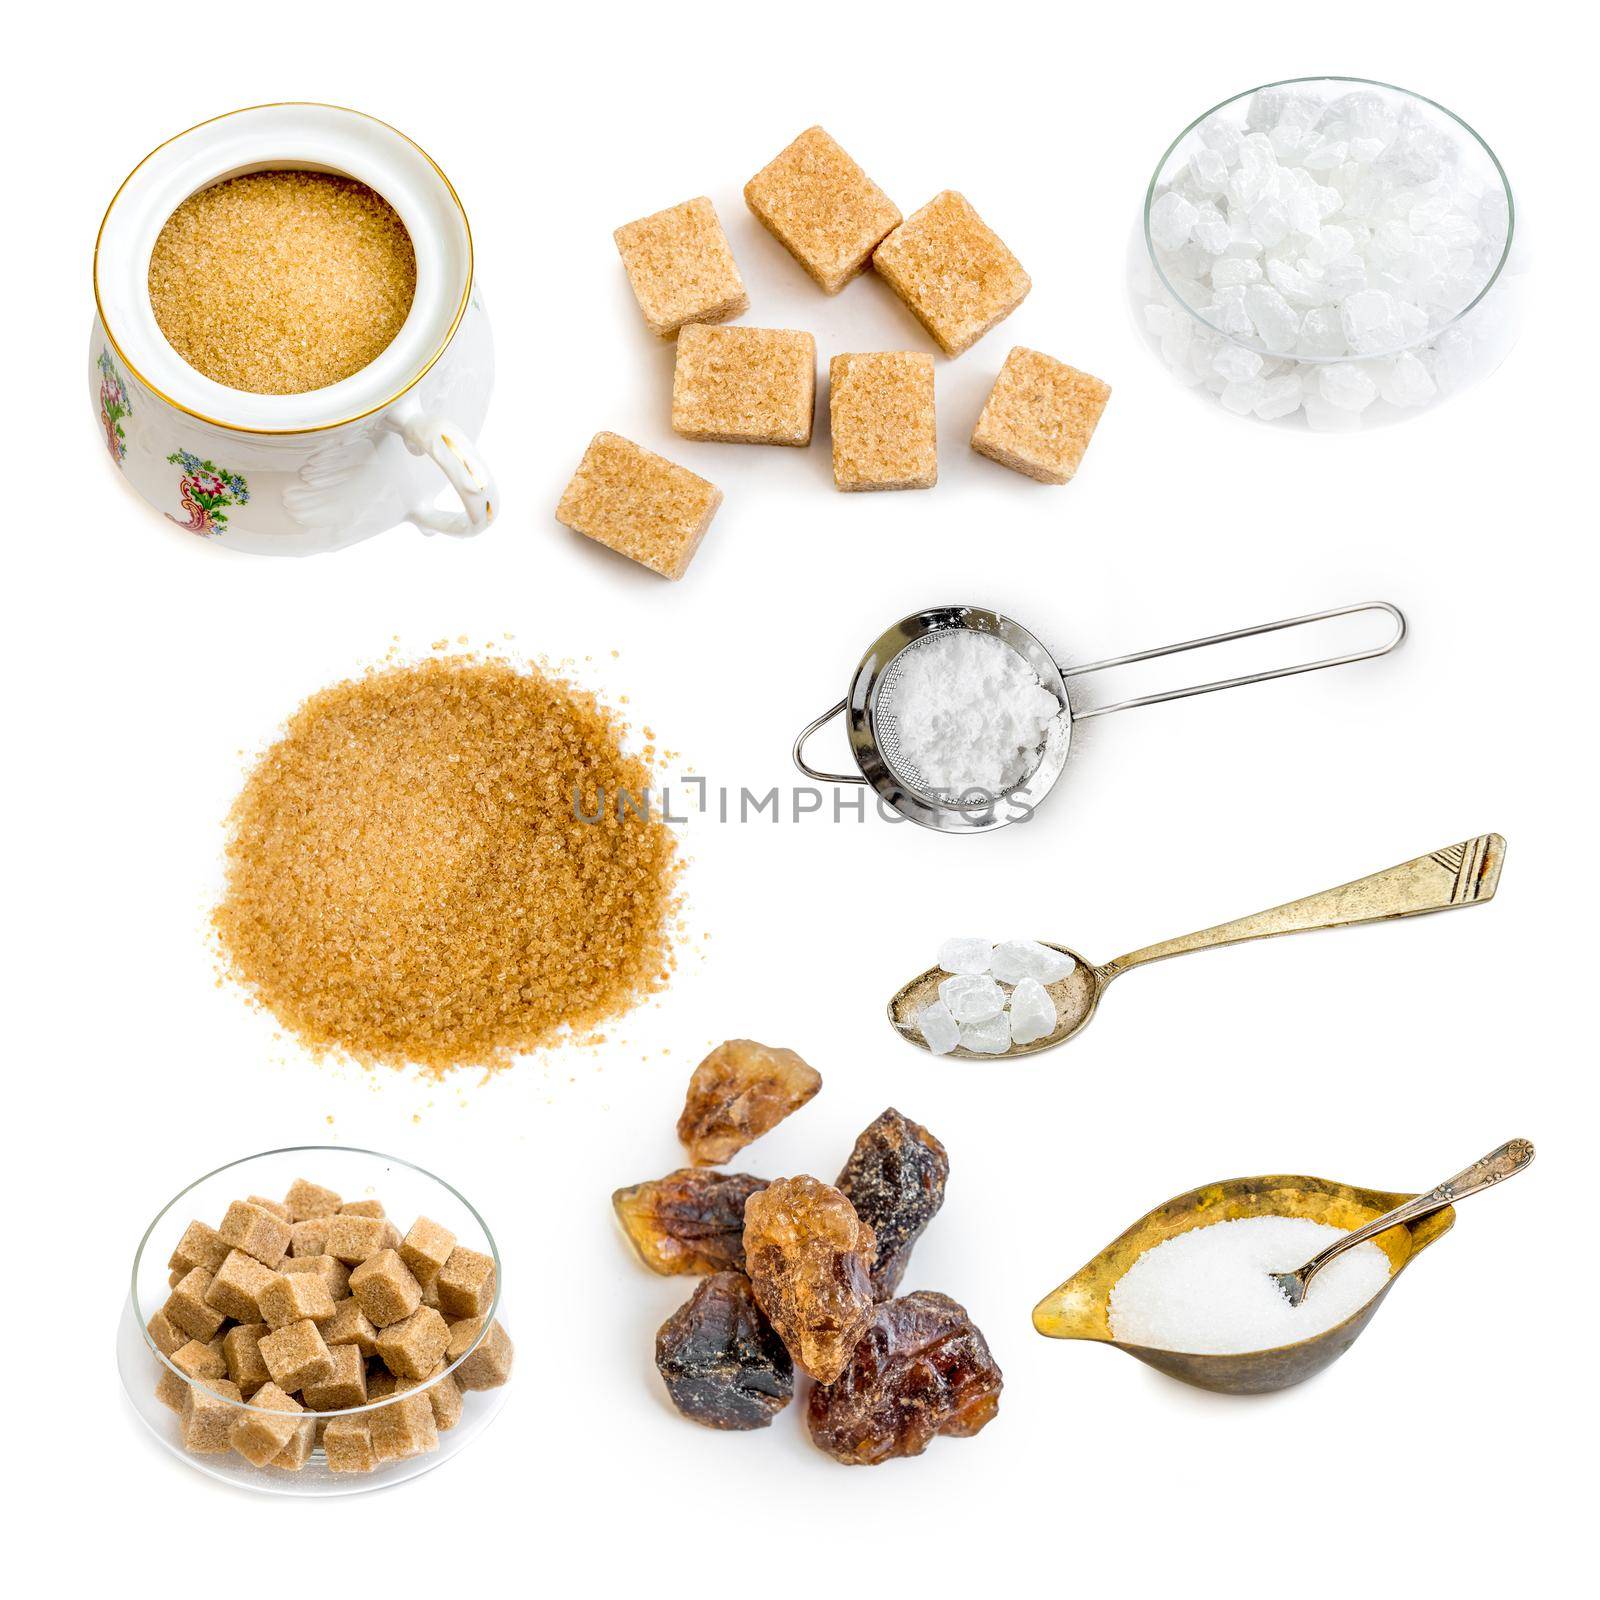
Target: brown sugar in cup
x=745, y=385
x=281, y=282
x=822, y=208
x=681, y=267
x=1040, y=416
x=953, y=271
x=639, y=504
x=885, y=432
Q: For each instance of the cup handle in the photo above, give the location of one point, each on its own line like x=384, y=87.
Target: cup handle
x=451, y=449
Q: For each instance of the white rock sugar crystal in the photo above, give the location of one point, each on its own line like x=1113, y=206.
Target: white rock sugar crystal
x=966, y=955
x=991, y=1037
x=941, y=1030
x=1309, y=227
x=1017, y=959
x=1032, y=1012
x=976, y=1011
x=969, y=713
x=972, y=999
x=1210, y=1291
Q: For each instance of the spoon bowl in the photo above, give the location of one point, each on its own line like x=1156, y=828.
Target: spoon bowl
x=1080, y=1307
x=1076, y=997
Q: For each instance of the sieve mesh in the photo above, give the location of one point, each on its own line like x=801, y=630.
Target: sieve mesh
x=886, y=726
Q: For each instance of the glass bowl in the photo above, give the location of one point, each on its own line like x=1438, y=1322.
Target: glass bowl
x=1327, y=252
x=406, y=1192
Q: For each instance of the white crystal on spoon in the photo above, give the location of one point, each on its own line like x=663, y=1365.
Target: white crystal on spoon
x=939, y=1029
x=991, y=1037
x=1033, y=1012
x=1017, y=959
x=970, y=956
x=972, y=998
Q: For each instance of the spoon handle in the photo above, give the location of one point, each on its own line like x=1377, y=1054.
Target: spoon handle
x=1506, y=1162
x=1459, y=875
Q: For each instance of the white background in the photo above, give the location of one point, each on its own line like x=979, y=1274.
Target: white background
x=145, y=666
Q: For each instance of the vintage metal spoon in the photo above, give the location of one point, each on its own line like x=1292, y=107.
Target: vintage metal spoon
x=1460, y=875
x=1506, y=1162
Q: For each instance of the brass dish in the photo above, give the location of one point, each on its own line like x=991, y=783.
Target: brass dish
x=1079, y=1309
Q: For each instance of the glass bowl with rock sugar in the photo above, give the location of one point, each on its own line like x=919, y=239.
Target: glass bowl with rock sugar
x=316, y=1321
x=1332, y=253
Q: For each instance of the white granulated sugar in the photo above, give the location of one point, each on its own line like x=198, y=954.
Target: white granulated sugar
x=1210, y=1291
x=970, y=714
x=1312, y=227
x=972, y=998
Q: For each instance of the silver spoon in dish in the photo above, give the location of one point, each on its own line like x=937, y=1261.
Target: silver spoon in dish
x=1506, y=1162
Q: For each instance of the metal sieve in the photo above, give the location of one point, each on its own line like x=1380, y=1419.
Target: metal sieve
x=874, y=733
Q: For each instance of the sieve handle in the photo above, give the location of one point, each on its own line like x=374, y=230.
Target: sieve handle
x=1394, y=640
x=799, y=750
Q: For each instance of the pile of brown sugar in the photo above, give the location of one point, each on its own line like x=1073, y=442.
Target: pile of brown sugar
x=409, y=878
x=281, y=282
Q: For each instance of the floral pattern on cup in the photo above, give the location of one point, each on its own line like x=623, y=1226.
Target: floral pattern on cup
x=204, y=490
x=114, y=406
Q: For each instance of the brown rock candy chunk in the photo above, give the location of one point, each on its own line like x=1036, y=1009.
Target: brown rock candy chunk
x=809, y=1257
x=739, y=1092
x=720, y=1359
x=921, y=1370
x=895, y=1179
x=691, y=1220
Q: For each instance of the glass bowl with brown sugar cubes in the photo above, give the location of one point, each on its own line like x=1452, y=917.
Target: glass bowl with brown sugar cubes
x=316, y=1321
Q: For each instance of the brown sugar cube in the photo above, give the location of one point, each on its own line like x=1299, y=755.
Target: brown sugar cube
x=444, y=1395
x=309, y=1238
x=385, y=1290
x=639, y=504
x=256, y=1231
x=822, y=208
x=209, y=1413
x=489, y=1365
x=362, y=1208
x=884, y=431
x=392, y=1236
x=349, y=1324
x=412, y=1348
x=466, y=1283
x=295, y=1297
x=681, y=267
x=347, y=1445
x=952, y=271
x=200, y=1246
x=381, y=1382
x=187, y=1307
x=176, y=1276
x=197, y=1360
x=354, y=1239
x=297, y=1452
x=426, y=1248
x=236, y=1288
x=241, y=1349
x=267, y=1427
x=165, y=1334
x=306, y=1200
x=278, y=1208
x=745, y=385
x=1039, y=416
x=296, y=1355
x=345, y=1385
x=430, y=1292
x=330, y=1269
x=405, y=1428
